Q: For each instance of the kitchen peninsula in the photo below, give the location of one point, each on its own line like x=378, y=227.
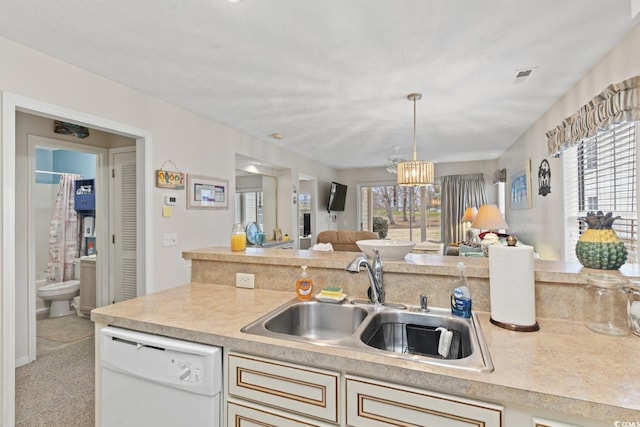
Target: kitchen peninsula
x=564, y=372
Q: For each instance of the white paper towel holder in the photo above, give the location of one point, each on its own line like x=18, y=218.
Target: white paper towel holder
x=511, y=242
x=517, y=328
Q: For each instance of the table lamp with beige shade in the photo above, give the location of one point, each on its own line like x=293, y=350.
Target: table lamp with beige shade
x=470, y=234
x=489, y=218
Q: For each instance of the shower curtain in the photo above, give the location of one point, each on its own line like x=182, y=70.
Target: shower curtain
x=64, y=233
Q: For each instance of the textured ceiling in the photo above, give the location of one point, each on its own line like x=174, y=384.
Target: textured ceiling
x=332, y=75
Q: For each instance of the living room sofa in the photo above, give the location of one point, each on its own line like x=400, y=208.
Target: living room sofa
x=345, y=240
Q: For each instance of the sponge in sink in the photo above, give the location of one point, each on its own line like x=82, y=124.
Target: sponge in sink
x=331, y=293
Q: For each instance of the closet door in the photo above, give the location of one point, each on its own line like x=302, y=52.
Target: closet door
x=124, y=230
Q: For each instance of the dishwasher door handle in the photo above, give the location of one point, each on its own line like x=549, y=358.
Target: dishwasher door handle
x=137, y=344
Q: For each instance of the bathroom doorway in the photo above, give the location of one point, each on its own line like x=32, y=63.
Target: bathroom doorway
x=52, y=161
x=89, y=161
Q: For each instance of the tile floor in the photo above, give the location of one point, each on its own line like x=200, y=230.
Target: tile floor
x=55, y=333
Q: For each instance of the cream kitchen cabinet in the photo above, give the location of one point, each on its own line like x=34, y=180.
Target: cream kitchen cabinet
x=535, y=417
x=308, y=392
x=371, y=403
x=277, y=393
x=246, y=414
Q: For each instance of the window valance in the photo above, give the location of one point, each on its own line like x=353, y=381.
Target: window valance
x=619, y=102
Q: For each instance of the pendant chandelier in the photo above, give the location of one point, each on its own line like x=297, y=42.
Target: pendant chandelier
x=416, y=172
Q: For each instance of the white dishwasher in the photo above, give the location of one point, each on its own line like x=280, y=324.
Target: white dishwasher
x=149, y=380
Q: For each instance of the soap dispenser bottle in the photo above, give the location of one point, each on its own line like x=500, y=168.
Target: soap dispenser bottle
x=304, y=285
x=461, y=297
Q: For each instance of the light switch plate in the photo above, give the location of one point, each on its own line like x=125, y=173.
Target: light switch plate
x=170, y=239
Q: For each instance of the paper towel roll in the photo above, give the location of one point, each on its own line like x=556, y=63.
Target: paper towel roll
x=512, y=287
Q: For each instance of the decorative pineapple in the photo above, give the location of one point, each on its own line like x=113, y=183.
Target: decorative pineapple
x=599, y=246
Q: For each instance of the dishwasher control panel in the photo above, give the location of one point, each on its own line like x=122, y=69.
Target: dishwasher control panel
x=188, y=369
x=183, y=364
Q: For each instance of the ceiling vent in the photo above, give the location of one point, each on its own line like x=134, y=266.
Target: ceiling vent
x=523, y=75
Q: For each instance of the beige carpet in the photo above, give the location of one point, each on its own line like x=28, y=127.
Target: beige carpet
x=65, y=329
x=58, y=388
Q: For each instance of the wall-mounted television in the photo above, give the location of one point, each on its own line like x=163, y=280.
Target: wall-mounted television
x=337, y=197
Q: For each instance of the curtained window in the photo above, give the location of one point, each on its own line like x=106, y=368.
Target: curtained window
x=599, y=162
x=618, y=103
x=458, y=193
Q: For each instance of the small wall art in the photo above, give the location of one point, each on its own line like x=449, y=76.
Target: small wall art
x=521, y=186
x=169, y=179
x=544, y=178
x=207, y=193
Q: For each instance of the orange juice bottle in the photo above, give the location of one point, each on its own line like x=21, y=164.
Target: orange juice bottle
x=304, y=285
x=238, y=238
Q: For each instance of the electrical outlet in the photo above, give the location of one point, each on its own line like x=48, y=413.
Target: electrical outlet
x=244, y=280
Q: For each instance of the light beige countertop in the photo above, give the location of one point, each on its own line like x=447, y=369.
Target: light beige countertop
x=545, y=271
x=564, y=367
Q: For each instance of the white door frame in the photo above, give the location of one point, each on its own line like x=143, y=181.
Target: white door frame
x=11, y=103
x=314, y=207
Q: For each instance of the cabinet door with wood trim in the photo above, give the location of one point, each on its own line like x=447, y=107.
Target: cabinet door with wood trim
x=244, y=414
x=299, y=389
x=373, y=403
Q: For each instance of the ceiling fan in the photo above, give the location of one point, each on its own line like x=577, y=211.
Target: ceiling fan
x=392, y=161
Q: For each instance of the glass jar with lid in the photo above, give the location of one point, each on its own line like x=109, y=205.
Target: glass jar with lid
x=633, y=305
x=238, y=238
x=605, y=309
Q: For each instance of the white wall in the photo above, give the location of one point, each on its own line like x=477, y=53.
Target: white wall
x=194, y=144
x=542, y=225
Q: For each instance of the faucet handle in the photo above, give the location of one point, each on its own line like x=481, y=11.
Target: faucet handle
x=377, y=261
x=423, y=303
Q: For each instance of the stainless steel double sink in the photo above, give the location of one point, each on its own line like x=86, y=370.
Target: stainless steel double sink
x=407, y=333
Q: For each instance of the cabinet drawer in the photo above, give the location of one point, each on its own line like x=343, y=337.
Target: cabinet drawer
x=375, y=403
x=308, y=391
x=539, y=422
x=243, y=414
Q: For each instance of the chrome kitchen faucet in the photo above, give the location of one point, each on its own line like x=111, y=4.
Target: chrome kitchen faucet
x=375, y=275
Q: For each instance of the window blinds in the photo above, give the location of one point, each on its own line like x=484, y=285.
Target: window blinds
x=600, y=175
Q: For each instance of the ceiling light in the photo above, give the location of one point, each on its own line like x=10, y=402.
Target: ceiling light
x=416, y=172
x=233, y=1
x=276, y=136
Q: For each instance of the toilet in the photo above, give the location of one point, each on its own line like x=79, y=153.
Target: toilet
x=60, y=294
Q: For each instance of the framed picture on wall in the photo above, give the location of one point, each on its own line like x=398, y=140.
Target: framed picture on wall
x=207, y=193
x=521, y=186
